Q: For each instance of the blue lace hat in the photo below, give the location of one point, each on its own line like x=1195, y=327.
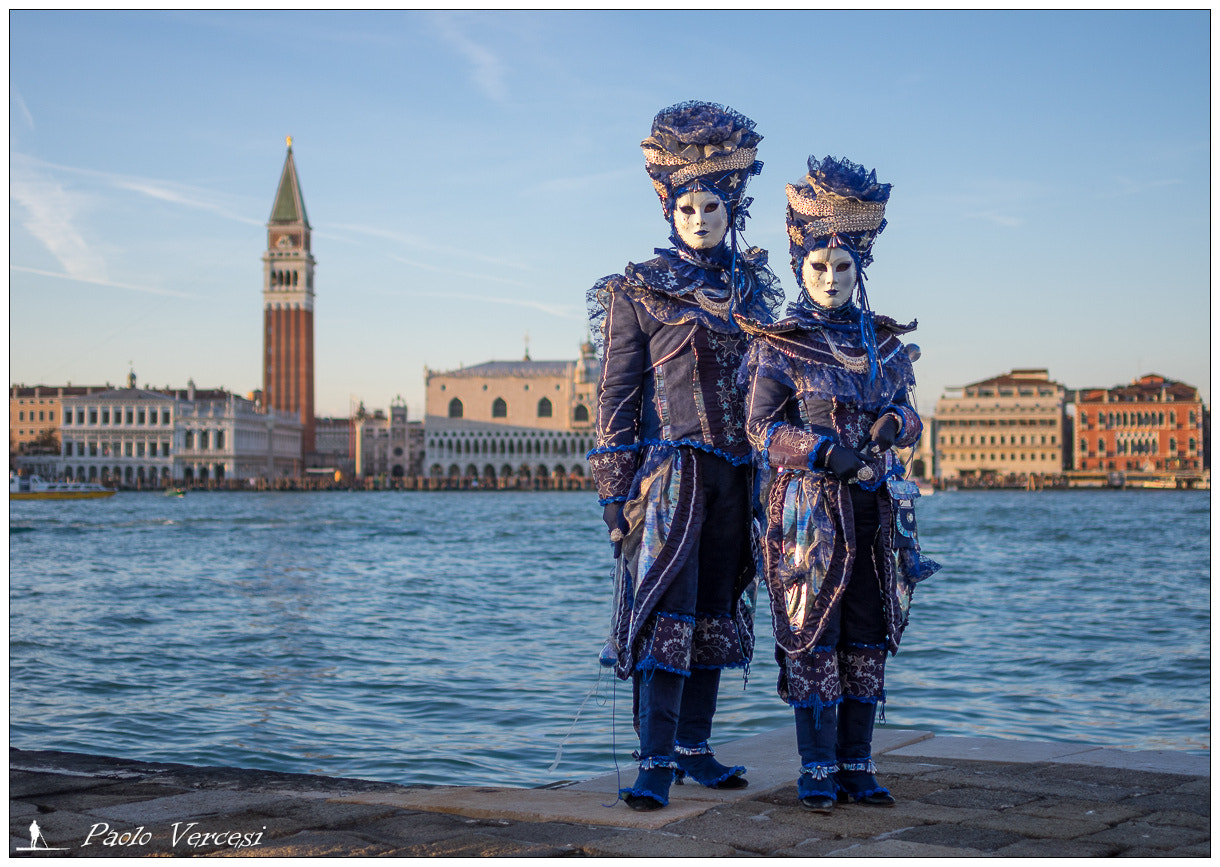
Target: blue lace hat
x=697, y=145
x=837, y=204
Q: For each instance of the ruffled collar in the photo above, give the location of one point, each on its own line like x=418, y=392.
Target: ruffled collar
x=804, y=313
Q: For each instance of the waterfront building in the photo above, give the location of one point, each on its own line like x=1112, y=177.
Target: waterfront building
x=1154, y=424
x=148, y=438
x=370, y=443
x=334, y=445
x=1009, y=425
x=34, y=415
x=387, y=445
x=511, y=418
x=288, y=302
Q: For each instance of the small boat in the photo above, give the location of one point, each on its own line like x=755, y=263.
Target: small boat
x=36, y=488
x=175, y=492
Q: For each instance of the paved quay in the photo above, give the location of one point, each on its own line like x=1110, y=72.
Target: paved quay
x=965, y=797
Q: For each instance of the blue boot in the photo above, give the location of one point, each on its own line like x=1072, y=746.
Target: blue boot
x=660, y=696
x=862, y=668
x=694, y=755
x=857, y=775
x=815, y=740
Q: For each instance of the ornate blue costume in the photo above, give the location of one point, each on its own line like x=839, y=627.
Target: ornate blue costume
x=672, y=460
x=829, y=398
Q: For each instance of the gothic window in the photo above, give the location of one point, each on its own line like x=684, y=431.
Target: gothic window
x=544, y=408
x=581, y=413
x=499, y=409
x=455, y=408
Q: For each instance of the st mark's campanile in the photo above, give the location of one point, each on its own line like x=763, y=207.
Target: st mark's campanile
x=288, y=306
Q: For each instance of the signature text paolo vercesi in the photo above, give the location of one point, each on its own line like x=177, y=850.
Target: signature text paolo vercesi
x=185, y=834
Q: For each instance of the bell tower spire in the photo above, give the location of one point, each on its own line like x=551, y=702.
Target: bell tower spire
x=288, y=299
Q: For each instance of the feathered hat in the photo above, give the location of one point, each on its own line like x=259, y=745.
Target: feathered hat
x=701, y=144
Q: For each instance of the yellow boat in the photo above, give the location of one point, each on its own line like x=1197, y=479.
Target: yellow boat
x=35, y=488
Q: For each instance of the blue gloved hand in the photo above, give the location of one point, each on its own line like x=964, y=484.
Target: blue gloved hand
x=612, y=514
x=881, y=435
x=842, y=462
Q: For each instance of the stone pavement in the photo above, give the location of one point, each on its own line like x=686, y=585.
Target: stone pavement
x=956, y=797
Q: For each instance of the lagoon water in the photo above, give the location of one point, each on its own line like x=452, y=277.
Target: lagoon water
x=452, y=638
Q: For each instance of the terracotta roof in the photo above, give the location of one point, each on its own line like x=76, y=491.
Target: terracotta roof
x=510, y=368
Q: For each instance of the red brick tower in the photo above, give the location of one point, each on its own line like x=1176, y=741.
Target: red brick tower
x=288, y=306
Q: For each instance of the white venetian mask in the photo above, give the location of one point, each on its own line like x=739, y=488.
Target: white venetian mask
x=829, y=275
x=700, y=219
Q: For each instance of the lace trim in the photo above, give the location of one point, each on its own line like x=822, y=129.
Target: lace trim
x=654, y=762
x=857, y=766
x=819, y=770
x=697, y=750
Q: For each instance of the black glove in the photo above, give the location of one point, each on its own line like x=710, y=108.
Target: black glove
x=612, y=514
x=882, y=435
x=842, y=461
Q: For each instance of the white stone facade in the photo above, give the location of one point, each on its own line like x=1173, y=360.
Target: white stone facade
x=140, y=437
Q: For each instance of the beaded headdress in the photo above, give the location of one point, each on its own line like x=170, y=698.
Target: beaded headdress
x=837, y=204
x=701, y=145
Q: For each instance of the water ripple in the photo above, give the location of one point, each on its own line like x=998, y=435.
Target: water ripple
x=452, y=638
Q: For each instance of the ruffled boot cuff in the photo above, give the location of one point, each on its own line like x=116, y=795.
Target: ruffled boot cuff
x=700, y=762
x=651, y=788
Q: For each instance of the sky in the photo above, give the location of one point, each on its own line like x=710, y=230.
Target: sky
x=469, y=175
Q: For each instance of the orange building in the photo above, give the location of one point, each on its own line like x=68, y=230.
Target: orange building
x=288, y=267
x=35, y=414
x=1152, y=424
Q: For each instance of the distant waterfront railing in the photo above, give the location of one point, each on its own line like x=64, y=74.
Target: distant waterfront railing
x=378, y=483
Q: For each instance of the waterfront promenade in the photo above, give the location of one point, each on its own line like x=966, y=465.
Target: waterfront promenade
x=956, y=797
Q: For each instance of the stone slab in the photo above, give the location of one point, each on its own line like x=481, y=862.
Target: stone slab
x=992, y=750
x=193, y=805
x=658, y=846
x=1159, y=761
x=313, y=844
x=1005, y=750
x=903, y=849
x=771, y=760
x=532, y=805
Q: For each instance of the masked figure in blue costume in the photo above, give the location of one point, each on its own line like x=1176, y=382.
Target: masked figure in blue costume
x=829, y=398
x=672, y=461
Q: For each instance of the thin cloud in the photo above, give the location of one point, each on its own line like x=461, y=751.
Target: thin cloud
x=486, y=70
x=176, y=194
x=1124, y=186
x=50, y=212
x=21, y=106
x=452, y=272
x=560, y=311
x=420, y=243
x=148, y=290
